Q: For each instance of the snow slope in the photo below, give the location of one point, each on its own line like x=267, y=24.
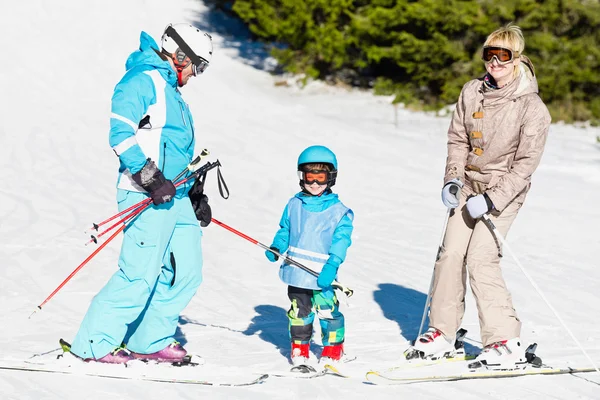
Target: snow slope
x=59, y=66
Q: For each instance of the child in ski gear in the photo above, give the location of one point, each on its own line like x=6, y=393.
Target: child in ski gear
x=160, y=265
x=495, y=143
x=315, y=230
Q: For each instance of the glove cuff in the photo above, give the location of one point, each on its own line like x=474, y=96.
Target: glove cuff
x=455, y=181
x=488, y=201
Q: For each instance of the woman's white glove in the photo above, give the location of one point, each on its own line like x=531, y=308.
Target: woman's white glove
x=479, y=205
x=451, y=193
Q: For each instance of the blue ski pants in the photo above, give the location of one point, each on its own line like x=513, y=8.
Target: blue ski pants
x=160, y=270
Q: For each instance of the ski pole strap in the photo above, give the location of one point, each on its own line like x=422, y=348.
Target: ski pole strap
x=201, y=173
x=222, y=184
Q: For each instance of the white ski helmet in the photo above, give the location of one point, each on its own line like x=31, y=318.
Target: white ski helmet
x=184, y=41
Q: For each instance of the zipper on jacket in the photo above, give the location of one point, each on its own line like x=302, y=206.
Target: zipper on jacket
x=164, y=157
x=182, y=114
x=192, y=129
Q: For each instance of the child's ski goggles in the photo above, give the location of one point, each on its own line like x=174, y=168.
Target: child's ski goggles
x=310, y=177
x=502, y=54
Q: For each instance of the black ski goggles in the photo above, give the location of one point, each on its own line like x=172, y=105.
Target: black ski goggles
x=502, y=54
x=199, y=68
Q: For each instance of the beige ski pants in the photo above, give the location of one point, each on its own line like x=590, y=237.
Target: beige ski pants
x=470, y=246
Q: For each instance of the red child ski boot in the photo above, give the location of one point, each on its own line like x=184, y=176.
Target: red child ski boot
x=332, y=354
x=300, y=353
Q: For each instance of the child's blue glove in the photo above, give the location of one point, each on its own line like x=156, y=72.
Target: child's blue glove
x=327, y=276
x=272, y=256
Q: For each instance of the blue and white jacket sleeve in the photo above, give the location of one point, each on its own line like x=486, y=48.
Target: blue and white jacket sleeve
x=130, y=101
x=342, y=239
x=281, y=241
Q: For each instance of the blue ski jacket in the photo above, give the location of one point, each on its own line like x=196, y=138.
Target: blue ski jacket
x=149, y=118
x=314, y=230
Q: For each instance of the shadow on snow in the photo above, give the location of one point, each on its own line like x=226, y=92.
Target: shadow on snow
x=405, y=306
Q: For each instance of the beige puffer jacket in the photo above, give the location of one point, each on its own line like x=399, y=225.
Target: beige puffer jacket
x=497, y=137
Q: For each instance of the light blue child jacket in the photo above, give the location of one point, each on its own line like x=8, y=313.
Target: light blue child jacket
x=314, y=230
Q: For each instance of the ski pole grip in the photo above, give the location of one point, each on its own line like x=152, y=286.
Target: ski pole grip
x=347, y=291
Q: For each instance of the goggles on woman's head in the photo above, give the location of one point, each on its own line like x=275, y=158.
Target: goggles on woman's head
x=502, y=54
x=309, y=177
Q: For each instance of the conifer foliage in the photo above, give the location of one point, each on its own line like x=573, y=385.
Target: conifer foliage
x=424, y=51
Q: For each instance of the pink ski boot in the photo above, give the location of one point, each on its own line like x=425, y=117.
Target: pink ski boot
x=117, y=356
x=172, y=353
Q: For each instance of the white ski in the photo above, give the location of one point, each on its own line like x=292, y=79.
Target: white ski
x=116, y=375
x=380, y=378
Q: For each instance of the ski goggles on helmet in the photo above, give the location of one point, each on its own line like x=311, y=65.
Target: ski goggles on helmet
x=199, y=68
x=502, y=54
x=309, y=177
x=199, y=64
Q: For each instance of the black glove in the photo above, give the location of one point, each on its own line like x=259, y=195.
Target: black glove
x=154, y=182
x=200, y=203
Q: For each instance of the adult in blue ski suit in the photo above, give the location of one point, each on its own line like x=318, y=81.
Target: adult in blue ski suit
x=315, y=230
x=160, y=265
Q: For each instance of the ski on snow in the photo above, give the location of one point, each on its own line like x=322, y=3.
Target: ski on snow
x=313, y=373
x=383, y=379
x=118, y=371
x=189, y=360
x=73, y=371
x=404, y=373
x=307, y=371
x=533, y=366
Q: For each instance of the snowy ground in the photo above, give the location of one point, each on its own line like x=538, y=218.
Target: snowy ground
x=61, y=62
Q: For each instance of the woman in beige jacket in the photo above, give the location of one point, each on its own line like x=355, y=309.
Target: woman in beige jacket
x=495, y=143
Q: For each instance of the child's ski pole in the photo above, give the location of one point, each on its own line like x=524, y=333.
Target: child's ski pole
x=346, y=290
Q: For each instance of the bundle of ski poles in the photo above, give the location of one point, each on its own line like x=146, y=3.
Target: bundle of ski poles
x=126, y=216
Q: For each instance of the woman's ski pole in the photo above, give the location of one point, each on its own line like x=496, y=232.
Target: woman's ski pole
x=133, y=213
x=83, y=263
x=500, y=239
x=426, y=309
x=346, y=290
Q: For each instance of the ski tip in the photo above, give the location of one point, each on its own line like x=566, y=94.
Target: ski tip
x=370, y=375
x=263, y=378
x=333, y=370
x=66, y=346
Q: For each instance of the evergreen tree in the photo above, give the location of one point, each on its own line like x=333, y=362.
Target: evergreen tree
x=425, y=51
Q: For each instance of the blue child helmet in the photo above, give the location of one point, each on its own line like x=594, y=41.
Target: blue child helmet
x=319, y=155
